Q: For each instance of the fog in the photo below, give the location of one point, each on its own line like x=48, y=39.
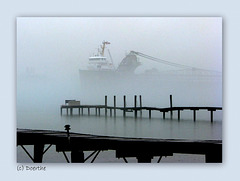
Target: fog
x=50, y=52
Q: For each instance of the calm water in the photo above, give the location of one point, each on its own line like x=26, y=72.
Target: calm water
x=128, y=127
x=39, y=99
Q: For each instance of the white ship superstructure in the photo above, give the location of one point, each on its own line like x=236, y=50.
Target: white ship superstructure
x=99, y=62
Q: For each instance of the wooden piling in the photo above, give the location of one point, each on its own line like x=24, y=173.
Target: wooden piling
x=82, y=110
x=96, y=111
x=178, y=114
x=140, y=102
x=38, y=153
x=144, y=159
x=150, y=113
x=164, y=114
x=135, y=106
x=105, y=105
x=88, y=111
x=78, y=111
x=114, y=104
x=211, y=115
x=171, y=106
x=99, y=111
x=124, y=106
x=77, y=156
x=214, y=155
x=110, y=112
x=194, y=115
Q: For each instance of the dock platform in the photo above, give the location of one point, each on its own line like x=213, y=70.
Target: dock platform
x=144, y=149
x=73, y=104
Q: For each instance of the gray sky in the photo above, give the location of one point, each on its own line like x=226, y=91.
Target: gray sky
x=63, y=45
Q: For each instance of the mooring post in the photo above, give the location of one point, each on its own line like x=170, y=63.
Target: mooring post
x=82, y=110
x=114, y=104
x=99, y=111
x=79, y=111
x=77, y=156
x=214, y=154
x=88, y=111
x=171, y=106
x=110, y=112
x=211, y=115
x=105, y=105
x=164, y=114
x=96, y=111
x=194, y=115
x=71, y=111
x=140, y=102
x=179, y=114
x=135, y=105
x=61, y=111
x=38, y=153
x=150, y=113
x=124, y=106
x=67, y=111
x=144, y=159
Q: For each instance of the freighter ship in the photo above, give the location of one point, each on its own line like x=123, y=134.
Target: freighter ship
x=101, y=76
x=100, y=64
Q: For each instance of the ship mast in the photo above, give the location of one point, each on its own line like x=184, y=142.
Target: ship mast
x=104, y=43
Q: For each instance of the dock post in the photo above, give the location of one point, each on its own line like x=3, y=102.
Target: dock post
x=96, y=111
x=140, y=102
x=110, y=112
x=71, y=111
x=171, y=106
x=77, y=156
x=114, y=104
x=105, y=105
x=135, y=106
x=67, y=111
x=144, y=159
x=88, y=111
x=211, y=115
x=150, y=113
x=82, y=110
x=178, y=114
x=79, y=111
x=124, y=106
x=99, y=111
x=38, y=153
x=164, y=114
x=214, y=154
x=61, y=110
x=194, y=115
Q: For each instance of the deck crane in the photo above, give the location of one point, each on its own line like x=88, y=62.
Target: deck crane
x=104, y=43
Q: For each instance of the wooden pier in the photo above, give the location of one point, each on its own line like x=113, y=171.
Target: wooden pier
x=134, y=108
x=144, y=149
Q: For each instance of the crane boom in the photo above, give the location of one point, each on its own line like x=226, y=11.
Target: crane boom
x=161, y=61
